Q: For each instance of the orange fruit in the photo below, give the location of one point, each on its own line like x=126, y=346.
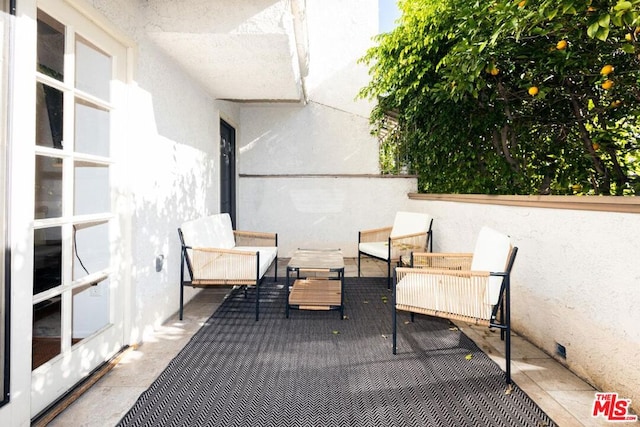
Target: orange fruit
x=533, y=90
x=522, y=4
x=596, y=146
x=607, y=84
x=606, y=70
x=494, y=71
x=561, y=45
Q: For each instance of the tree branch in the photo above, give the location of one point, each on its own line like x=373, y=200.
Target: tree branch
x=587, y=141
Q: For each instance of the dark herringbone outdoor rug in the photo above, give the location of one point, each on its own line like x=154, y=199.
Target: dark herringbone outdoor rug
x=314, y=369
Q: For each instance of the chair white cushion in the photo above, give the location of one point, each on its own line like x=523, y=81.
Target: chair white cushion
x=376, y=249
x=491, y=254
x=405, y=223
x=213, y=231
x=410, y=223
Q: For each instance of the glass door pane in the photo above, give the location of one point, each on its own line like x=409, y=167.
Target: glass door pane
x=92, y=133
x=93, y=70
x=91, y=249
x=50, y=46
x=49, y=116
x=47, y=331
x=90, y=309
x=91, y=188
x=48, y=188
x=47, y=259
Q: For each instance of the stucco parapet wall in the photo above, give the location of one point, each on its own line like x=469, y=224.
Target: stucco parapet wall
x=585, y=203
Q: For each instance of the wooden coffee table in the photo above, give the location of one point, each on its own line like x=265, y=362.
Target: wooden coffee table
x=313, y=293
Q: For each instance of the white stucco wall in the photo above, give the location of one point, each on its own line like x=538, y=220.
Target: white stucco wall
x=171, y=166
x=340, y=32
x=301, y=165
x=575, y=282
x=304, y=139
x=330, y=133
x=321, y=212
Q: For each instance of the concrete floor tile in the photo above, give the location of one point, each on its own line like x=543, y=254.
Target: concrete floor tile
x=138, y=371
x=99, y=407
x=554, y=409
x=552, y=376
x=521, y=349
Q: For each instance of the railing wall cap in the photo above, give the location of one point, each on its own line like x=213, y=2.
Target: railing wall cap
x=629, y=204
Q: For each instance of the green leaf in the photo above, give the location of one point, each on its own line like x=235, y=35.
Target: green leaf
x=623, y=5
x=592, y=30
x=604, y=20
x=617, y=20
x=602, y=33
x=630, y=19
x=628, y=48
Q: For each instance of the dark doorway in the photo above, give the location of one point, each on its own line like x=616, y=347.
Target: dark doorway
x=228, y=170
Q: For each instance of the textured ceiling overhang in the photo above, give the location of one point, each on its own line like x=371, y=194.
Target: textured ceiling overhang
x=247, y=50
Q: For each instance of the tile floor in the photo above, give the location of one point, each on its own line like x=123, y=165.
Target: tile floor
x=562, y=395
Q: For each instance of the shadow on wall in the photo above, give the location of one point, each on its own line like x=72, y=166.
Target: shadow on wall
x=174, y=183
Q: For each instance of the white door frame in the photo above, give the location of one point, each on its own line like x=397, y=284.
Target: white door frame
x=32, y=392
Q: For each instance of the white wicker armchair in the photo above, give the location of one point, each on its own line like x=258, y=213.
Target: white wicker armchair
x=466, y=287
x=411, y=231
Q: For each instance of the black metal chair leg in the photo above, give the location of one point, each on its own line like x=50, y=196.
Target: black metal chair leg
x=394, y=319
x=257, y=302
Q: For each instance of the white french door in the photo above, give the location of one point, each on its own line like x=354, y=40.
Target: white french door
x=77, y=291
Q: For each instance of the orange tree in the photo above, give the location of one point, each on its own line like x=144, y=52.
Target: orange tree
x=513, y=97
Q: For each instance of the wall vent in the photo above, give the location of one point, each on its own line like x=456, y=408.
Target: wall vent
x=561, y=350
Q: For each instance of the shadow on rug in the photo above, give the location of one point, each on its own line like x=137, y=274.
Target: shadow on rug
x=315, y=369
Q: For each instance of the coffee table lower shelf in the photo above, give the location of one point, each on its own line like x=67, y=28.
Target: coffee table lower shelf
x=316, y=294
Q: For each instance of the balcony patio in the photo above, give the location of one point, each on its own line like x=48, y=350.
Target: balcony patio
x=285, y=75
x=558, y=392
